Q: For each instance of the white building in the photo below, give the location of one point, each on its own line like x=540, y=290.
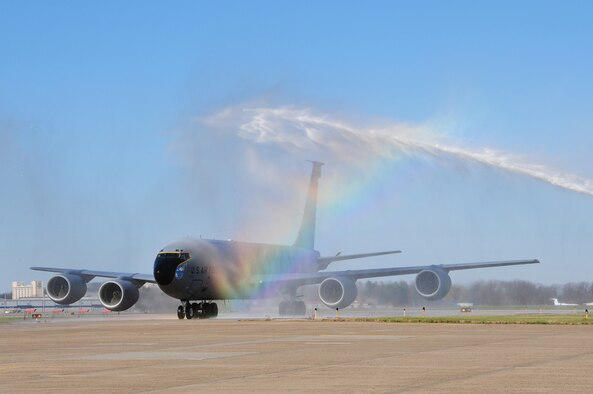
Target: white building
x=22, y=290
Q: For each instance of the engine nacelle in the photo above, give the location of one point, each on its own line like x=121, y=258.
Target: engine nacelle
x=433, y=283
x=66, y=288
x=118, y=295
x=337, y=292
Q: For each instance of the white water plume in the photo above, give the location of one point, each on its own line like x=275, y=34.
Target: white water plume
x=297, y=129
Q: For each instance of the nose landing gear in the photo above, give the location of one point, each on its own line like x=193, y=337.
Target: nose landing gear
x=202, y=310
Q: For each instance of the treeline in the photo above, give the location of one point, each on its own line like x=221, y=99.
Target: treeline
x=402, y=293
x=486, y=293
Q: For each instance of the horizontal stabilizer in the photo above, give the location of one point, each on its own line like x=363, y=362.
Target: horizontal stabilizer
x=323, y=262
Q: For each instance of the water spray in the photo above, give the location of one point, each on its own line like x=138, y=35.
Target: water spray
x=296, y=129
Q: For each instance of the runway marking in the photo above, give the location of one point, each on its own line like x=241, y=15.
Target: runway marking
x=327, y=343
x=8, y=367
x=193, y=356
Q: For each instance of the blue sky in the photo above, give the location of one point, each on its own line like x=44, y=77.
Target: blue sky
x=106, y=151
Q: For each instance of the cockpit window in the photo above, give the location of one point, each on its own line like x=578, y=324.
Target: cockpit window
x=176, y=256
x=184, y=256
x=165, y=265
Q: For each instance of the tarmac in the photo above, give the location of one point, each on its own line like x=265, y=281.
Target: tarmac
x=158, y=353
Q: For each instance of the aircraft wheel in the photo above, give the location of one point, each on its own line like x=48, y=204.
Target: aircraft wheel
x=213, y=309
x=195, y=309
x=180, y=312
x=205, y=311
x=188, y=311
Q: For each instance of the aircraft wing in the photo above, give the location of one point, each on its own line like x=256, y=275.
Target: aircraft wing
x=90, y=274
x=304, y=278
x=323, y=262
x=318, y=277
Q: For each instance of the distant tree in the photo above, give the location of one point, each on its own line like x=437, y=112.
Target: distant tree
x=576, y=292
x=492, y=292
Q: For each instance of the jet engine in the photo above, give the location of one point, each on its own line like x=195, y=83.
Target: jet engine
x=66, y=288
x=433, y=283
x=337, y=292
x=118, y=295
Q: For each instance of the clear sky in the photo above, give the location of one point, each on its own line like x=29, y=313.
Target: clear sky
x=125, y=125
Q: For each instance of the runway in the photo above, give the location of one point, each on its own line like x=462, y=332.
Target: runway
x=158, y=353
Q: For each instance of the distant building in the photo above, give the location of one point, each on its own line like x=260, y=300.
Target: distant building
x=22, y=290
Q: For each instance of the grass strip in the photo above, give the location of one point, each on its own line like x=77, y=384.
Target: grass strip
x=512, y=319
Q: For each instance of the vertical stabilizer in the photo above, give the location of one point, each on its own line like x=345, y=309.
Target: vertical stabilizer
x=306, y=237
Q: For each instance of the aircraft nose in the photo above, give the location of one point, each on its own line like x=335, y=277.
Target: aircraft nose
x=165, y=266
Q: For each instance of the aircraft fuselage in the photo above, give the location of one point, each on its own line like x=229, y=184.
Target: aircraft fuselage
x=201, y=269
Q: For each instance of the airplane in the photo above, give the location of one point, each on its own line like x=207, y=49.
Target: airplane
x=207, y=270
x=556, y=303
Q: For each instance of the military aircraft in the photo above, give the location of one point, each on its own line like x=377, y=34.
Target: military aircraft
x=200, y=271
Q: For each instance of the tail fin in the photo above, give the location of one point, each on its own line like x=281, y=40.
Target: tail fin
x=306, y=237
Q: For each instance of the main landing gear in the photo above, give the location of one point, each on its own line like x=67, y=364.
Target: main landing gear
x=292, y=308
x=202, y=310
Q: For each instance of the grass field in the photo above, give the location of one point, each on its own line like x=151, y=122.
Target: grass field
x=7, y=319
x=513, y=319
x=547, y=308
